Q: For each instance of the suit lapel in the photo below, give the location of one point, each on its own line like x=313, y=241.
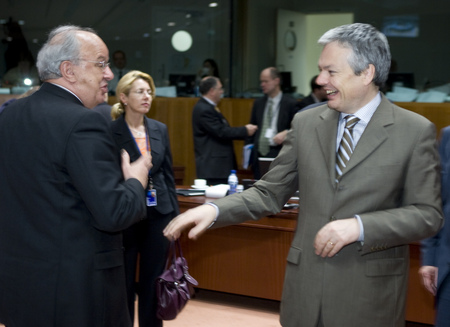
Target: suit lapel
x=326, y=133
x=155, y=138
x=374, y=135
x=125, y=139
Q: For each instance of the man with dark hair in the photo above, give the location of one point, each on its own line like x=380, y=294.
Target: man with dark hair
x=367, y=172
x=213, y=136
x=272, y=114
x=119, y=69
x=64, y=198
x=317, y=95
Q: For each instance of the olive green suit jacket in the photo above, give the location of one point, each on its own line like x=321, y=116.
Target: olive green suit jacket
x=391, y=181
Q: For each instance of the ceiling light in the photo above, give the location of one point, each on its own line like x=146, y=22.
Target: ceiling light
x=213, y=4
x=182, y=41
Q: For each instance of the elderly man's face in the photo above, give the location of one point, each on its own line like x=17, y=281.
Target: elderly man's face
x=346, y=92
x=216, y=92
x=91, y=78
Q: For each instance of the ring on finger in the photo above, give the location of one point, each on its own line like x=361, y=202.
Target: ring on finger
x=331, y=243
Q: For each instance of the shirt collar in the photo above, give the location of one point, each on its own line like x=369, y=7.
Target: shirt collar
x=64, y=88
x=276, y=98
x=210, y=101
x=366, y=112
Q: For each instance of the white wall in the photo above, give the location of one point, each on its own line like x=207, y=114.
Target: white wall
x=302, y=61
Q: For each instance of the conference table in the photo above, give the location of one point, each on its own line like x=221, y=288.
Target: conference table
x=250, y=258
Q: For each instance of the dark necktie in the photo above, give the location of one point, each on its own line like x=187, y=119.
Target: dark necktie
x=346, y=146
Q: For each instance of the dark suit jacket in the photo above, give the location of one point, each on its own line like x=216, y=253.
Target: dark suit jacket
x=213, y=141
x=104, y=109
x=64, y=203
x=391, y=181
x=286, y=113
x=306, y=101
x=436, y=250
x=161, y=172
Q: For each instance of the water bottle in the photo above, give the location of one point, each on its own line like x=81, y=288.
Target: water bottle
x=233, y=182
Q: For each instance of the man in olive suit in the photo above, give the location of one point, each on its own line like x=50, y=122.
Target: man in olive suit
x=367, y=173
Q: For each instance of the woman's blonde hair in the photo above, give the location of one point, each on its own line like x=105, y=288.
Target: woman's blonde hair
x=124, y=86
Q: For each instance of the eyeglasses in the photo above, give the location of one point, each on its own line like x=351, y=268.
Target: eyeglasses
x=101, y=64
x=141, y=92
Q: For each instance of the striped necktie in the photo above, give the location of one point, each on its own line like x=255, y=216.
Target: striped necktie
x=346, y=146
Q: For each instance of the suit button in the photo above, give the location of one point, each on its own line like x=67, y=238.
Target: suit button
x=333, y=218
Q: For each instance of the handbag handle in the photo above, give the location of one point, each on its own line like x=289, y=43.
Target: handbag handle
x=173, y=250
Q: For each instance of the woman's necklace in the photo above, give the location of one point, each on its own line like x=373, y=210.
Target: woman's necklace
x=138, y=133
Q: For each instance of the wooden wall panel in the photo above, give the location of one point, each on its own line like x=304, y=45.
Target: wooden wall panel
x=176, y=113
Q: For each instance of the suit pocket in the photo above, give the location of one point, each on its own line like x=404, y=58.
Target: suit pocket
x=218, y=154
x=385, y=267
x=294, y=255
x=108, y=259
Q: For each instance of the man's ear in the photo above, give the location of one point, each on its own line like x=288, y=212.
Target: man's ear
x=369, y=74
x=67, y=71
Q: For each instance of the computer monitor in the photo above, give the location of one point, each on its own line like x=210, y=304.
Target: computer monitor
x=264, y=164
x=185, y=84
x=286, y=82
x=400, y=79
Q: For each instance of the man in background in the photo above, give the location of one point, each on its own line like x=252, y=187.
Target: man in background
x=119, y=69
x=367, y=172
x=272, y=114
x=317, y=95
x=64, y=199
x=213, y=136
x=435, y=270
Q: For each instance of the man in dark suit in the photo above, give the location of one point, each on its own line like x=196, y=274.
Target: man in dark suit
x=359, y=208
x=104, y=109
x=64, y=199
x=213, y=136
x=317, y=95
x=435, y=270
x=272, y=114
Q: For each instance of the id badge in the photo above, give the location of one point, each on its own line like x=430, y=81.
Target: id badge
x=151, y=198
x=269, y=133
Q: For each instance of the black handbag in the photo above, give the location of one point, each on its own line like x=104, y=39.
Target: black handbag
x=174, y=287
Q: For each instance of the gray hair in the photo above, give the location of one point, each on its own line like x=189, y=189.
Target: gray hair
x=62, y=44
x=368, y=45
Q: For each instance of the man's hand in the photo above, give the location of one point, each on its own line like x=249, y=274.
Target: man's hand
x=200, y=218
x=280, y=137
x=251, y=129
x=332, y=237
x=429, y=276
x=138, y=169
